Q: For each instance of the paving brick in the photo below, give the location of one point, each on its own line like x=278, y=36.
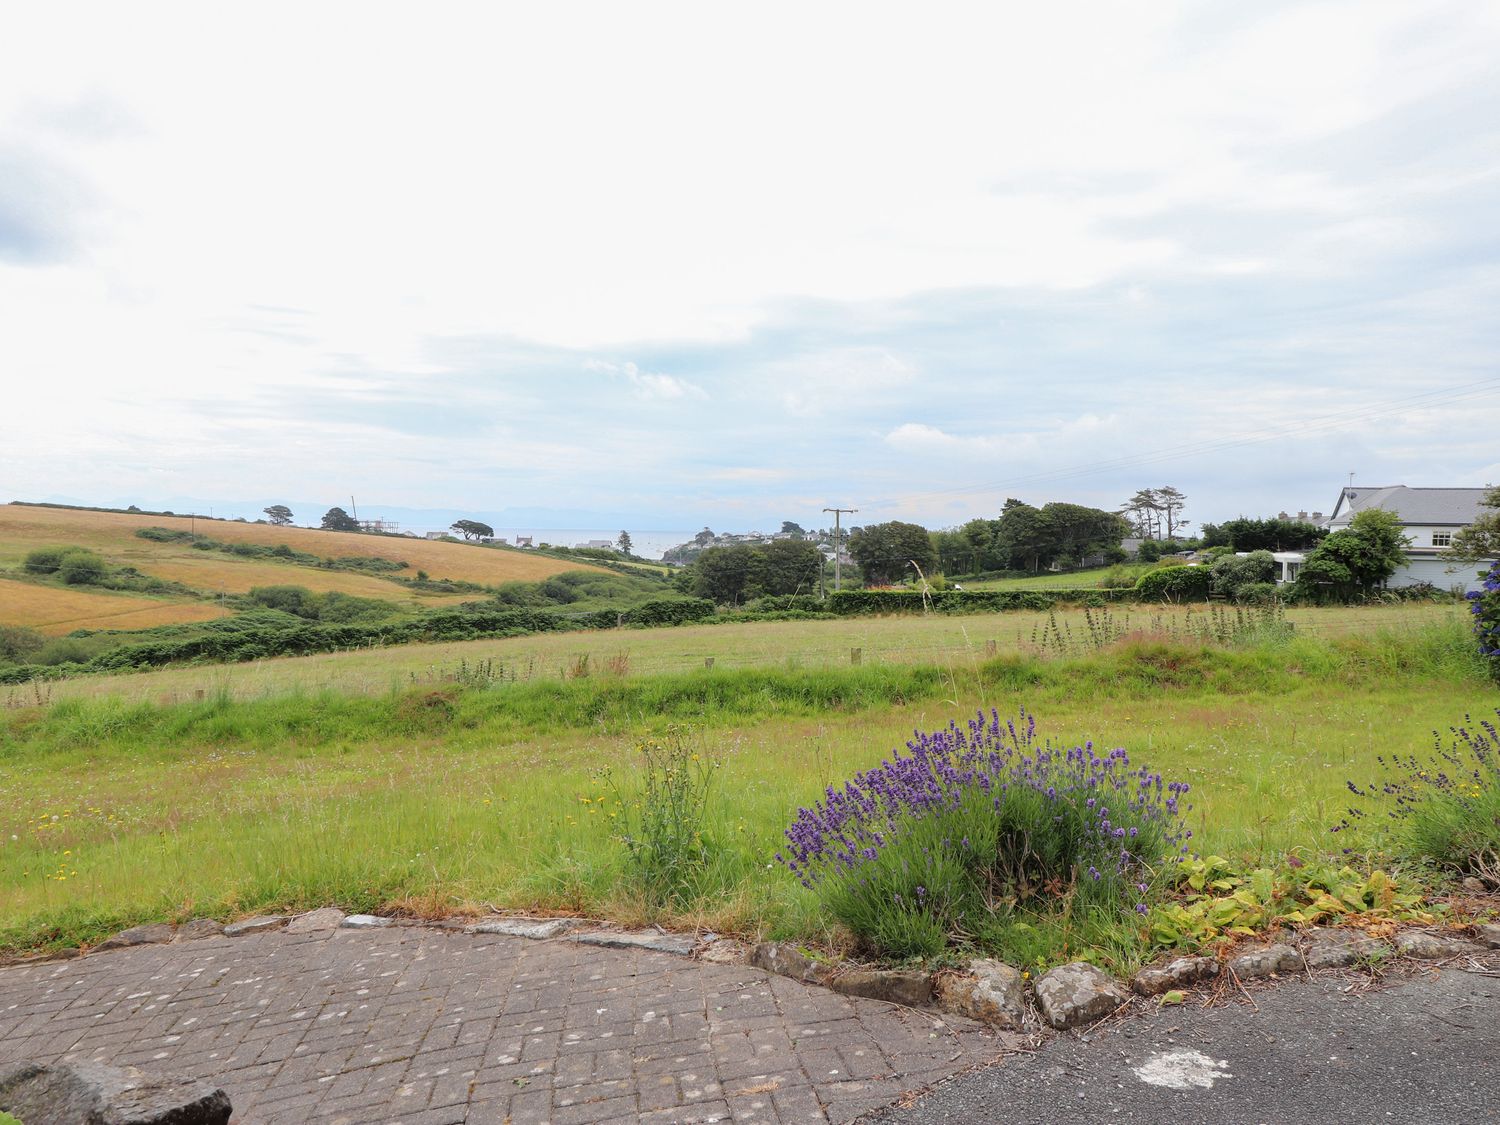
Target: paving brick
x=434, y=1027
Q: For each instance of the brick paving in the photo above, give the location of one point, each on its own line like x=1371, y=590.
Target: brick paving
x=432, y=1027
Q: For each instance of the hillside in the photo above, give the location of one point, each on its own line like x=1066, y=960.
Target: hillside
x=216, y=573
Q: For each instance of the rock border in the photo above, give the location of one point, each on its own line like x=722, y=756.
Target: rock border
x=1067, y=997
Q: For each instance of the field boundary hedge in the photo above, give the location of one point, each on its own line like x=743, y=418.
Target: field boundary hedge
x=856, y=603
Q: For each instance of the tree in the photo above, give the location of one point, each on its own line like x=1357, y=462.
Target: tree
x=790, y=528
x=279, y=514
x=1076, y=532
x=1171, y=503
x=624, y=543
x=727, y=575
x=1356, y=560
x=886, y=551
x=954, y=554
x=472, y=529
x=1021, y=537
x=336, y=519
x=704, y=537
x=790, y=566
x=1143, y=510
x=1481, y=539
x=1262, y=535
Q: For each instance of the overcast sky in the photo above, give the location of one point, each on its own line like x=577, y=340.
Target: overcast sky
x=677, y=264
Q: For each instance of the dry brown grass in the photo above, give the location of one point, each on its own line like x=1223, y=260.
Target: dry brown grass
x=112, y=534
x=214, y=572
x=56, y=610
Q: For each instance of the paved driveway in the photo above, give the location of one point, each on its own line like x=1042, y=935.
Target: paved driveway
x=432, y=1027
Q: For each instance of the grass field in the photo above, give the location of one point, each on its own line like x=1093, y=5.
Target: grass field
x=1075, y=580
x=437, y=796
x=945, y=641
x=55, y=610
x=24, y=529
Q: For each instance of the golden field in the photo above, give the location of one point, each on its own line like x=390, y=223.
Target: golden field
x=56, y=610
x=112, y=534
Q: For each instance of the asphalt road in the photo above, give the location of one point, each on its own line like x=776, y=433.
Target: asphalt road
x=1424, y=1049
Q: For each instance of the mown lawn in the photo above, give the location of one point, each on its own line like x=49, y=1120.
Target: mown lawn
x=435, y=797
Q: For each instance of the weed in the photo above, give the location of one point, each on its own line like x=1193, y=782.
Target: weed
x=662, y=821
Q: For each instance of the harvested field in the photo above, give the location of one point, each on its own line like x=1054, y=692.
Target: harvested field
x=56, y=610
x=23, y=528
x=213, y=572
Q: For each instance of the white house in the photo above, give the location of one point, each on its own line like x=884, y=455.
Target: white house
x=1430, y=517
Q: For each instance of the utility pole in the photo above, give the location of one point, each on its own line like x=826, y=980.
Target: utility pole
x=837, y=540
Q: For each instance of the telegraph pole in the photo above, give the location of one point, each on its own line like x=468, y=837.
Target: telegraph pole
x=837, y=539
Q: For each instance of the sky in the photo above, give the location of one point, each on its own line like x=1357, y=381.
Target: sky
x=672, y=265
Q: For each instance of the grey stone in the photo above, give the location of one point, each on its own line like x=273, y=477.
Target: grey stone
x=1474, y=886
x=199, y=928
x=892, y=985
x=1334, y=949
x=138, y=935
x=89, y=1093
x=1179, y=973
x=725, y=951
x=366, y=922
x=992, y=992
x=1432, y=947
x=787, y=960
x=1266, y=962
x=259, y=924
x=680, y=944
x=316, y=921
x=535, y=928
x=1078, y=993
x=1488, y=934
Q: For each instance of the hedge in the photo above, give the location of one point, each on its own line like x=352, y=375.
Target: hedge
x=854, y=603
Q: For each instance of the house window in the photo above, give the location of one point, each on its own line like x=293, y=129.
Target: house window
x=1442, y=538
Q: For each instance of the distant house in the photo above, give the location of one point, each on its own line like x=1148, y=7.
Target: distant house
x=523, y=540
x=1430, y=517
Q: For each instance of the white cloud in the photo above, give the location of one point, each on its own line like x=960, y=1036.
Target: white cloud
x=648, y=386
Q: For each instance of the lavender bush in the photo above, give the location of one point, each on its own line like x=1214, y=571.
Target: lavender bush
x=1446, y=804
x=975, y=823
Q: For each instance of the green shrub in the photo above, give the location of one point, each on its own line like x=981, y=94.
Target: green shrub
x=45, y=560
x=1232, y=574
x=162, y=534
x=65, y=650
x=81, y=567
x=18, y=643
x=1174, y=584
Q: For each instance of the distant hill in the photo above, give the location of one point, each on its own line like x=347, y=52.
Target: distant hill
x=26, y=527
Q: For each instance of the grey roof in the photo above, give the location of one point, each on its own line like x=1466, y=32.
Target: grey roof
x=1455, y=507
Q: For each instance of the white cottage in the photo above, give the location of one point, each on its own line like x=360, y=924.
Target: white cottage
x=1430, y=517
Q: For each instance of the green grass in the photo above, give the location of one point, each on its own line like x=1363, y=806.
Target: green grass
x=1073, y=580
x=439, y=797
